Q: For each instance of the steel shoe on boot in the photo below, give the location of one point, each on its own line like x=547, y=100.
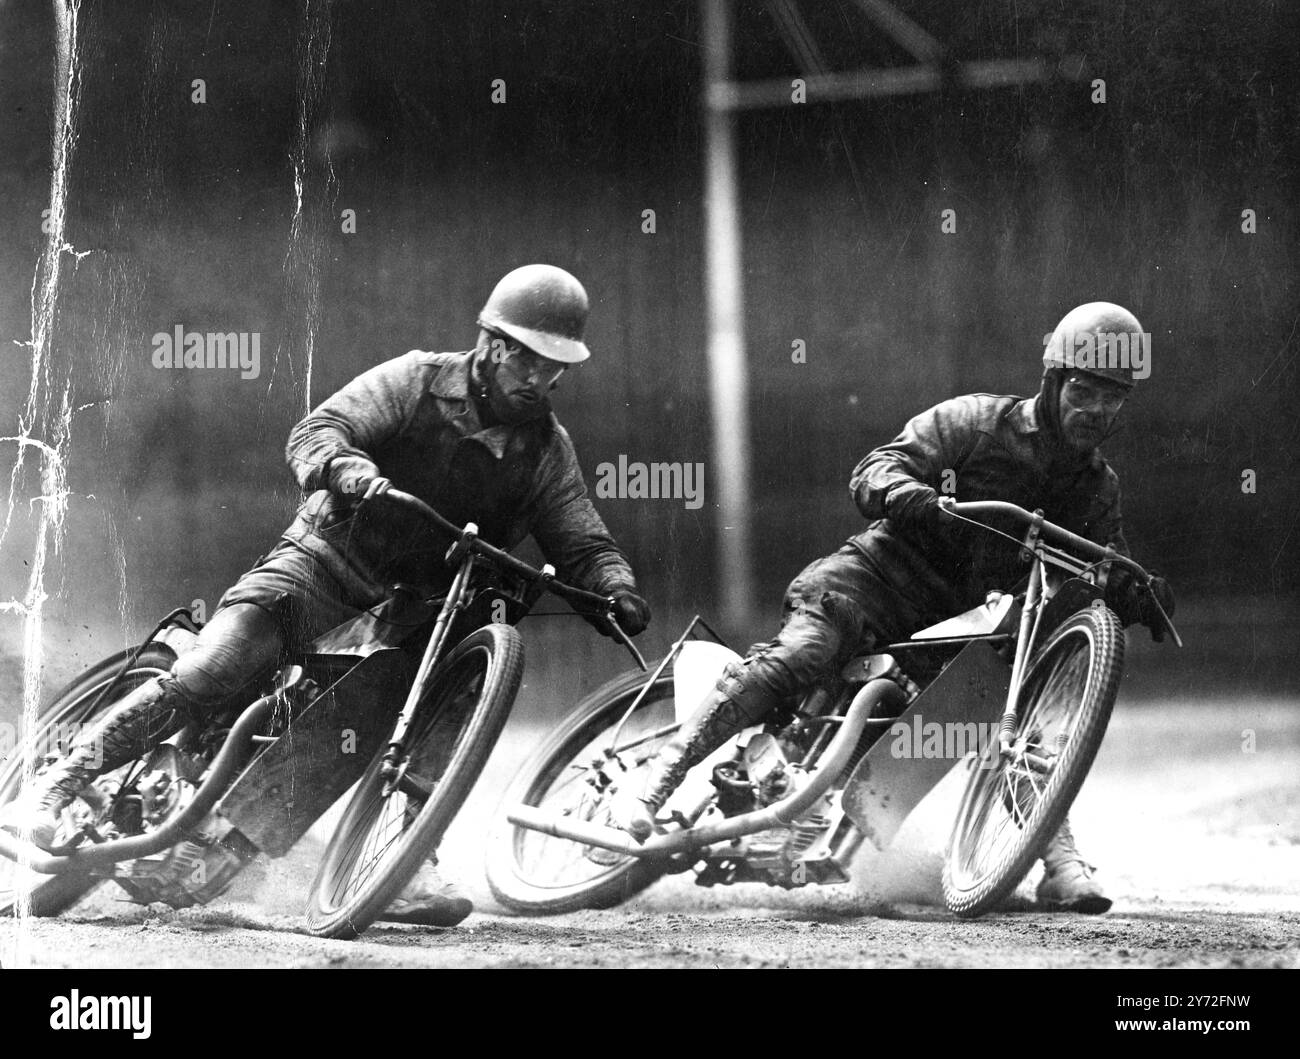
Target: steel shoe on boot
x=147, y=715
x=727, y=710
x=1068, y=883
x=633, y=810
x=32, y=815
x=429, y=900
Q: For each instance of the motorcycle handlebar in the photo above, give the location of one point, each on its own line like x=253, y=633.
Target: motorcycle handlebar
x=1098, y=553
x=1053, y=533
x=600, y=605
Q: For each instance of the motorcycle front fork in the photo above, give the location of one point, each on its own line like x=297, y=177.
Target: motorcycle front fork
x=395, y=762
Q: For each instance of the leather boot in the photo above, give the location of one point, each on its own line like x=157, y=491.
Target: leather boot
x=429, y=900
x=1068, y=884
x=728, y=709
x=130, y=730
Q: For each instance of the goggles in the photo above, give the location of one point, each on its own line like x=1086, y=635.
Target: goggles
x=1081, y=392
x=524, y=364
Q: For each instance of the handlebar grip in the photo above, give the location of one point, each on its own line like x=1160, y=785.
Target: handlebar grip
x=580, y=596
x=410, y=500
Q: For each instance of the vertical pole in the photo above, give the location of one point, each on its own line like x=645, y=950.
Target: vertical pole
x=724, y=299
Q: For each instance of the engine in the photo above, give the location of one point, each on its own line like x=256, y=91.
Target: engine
x=820, y=845
x=765, y=772
x=194, y=871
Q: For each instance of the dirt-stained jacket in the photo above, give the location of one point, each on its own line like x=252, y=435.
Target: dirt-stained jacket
x=415, y=420
x=979, y=447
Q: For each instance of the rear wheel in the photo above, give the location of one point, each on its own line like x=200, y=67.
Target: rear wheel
x=384, y=838
x=1014, y=804
x=575, y=774
x=72, y=708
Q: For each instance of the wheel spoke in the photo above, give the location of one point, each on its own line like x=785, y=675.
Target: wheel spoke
x=1002, y=813
x=378, y=829
x=372, y=854
x=575, y=792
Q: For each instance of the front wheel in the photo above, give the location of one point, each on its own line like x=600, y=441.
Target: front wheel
x=383, y=838
x=576, y=773
x=1015, y=803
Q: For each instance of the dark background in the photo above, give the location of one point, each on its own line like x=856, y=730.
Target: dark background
x=177, y=478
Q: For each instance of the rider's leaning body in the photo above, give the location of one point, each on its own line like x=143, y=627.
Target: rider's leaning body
x=415, y=421
x=471, y=434
x=977, y=447
x=908, y=570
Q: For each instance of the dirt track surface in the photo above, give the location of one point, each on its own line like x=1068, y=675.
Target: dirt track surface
x=908, y=937
x=1198, y=841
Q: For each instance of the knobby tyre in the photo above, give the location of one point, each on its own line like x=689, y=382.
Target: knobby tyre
x=1012, y=806
x=382, y=840
x=574, y=774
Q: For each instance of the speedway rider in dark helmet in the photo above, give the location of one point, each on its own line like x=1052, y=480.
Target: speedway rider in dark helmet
x=470, y=433
x=907, y=570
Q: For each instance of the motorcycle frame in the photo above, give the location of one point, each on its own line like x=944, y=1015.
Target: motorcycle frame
x=1034, y=549
x=394, y=766
x=244, y=735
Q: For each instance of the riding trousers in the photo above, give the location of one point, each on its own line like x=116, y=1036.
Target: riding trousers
x=283, y=603
x=838, y=606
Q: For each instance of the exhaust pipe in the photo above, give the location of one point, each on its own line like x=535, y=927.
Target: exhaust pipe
x=779, y=814
x=229, y=759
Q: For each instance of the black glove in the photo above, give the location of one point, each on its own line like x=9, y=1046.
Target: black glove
x=1133, y=602
x=1122, y=594
x=630, y=611
x=354, y=479
x=913, y=507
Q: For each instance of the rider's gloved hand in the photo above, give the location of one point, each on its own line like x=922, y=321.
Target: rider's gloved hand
x=913, y=507
x=1133, y=602
x=630, y=611
x=355, y=478
x=1121, y=593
